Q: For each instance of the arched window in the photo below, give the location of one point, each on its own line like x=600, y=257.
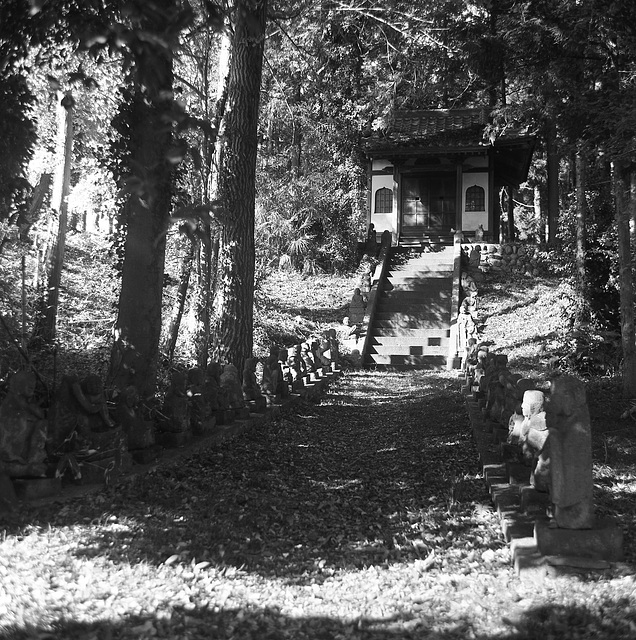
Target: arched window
x=475, y=198
x=384, y=200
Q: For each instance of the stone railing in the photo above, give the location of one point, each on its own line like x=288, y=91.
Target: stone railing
x=372, y=271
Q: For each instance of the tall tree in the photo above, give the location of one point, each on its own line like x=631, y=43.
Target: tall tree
x=147, y=127
x=46, y=326
x=237, y=184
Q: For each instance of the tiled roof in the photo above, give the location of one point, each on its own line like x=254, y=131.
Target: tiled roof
x=436, y=128
x=423, y=124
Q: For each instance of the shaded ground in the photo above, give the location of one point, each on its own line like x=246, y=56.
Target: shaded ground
x=360, y=517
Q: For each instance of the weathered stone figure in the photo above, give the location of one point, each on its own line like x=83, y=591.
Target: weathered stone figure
x=296, y=365
x=251, y=389
x=334, y=347
x=22, y=428
x=466, y=331
x=176, y=407
x=371, y=246
x=356, y=307
x=308, y=357
x=139, y=432
x=474, y=259
x=213, y=380
x=232, y=384
x=200, y=409
x=534, y=438
x=94, y=404
x=570, y=443
x=79, y=409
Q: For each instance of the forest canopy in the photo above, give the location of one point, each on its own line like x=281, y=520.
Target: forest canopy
x=219, y=142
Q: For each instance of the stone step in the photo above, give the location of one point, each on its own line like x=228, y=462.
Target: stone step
x=407, y=362
x=419, y=276
x=415, y=297
x=432, y=312
x=412, y=336
x=416, y=335
x=409, y=350
x=432, y=342
x=386, y=321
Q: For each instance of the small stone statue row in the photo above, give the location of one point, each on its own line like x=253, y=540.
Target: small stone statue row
x=551, y=429
x=80, y=420
x=286, y=370
x=77, y=420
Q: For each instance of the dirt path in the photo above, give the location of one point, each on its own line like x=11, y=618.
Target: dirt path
x=360, y=517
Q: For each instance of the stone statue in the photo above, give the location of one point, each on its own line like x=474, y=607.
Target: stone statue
x=22, y=428
x=324, y=352
x=274, y=386
x=334, y=347
x=139, y=432
x=570, y=442
x=479, y=233
x=534, y=438
x=365, y=281
x=386, y=240
x=231, y=382
x=474, y=258
x=371, y=246
x=296, y=365
x=176, y=407
x=200, y=408
x=251, y=390
x=94, y=404
x=210, y=390
x=213, y=385
x=308, y=357
x=466, y=330
x=356, y=307
x=79, y=410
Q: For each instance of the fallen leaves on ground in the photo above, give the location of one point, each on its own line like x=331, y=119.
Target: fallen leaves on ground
x=360, y=517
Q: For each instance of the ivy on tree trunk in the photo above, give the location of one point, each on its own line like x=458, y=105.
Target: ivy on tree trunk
x=237, y=185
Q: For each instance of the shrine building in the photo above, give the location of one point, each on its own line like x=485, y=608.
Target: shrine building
x=432, y=173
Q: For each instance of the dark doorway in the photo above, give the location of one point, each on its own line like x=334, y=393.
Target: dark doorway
x=428, y=204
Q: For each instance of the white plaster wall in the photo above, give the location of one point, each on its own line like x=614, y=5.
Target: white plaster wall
x=380, y=165
x=382, y=221
x=472, y=219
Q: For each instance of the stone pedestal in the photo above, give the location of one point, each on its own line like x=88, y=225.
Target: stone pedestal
x=603, y=542
x=224, y=416
x=173, y=439
x=147, y=455
x=37, y=488
x=534, y=502
x=205, y=427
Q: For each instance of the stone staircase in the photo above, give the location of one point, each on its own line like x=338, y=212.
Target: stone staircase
x=410, y=327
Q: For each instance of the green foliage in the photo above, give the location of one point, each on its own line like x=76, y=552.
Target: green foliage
x=309, y=222
x=17, y=139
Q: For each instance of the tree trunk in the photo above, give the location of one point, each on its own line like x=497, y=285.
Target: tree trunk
x=512, y=236
x=582, y=314
x=26, y=221
x=622, y=178
x=172, y=333
x=539, y=213
x=237, y=186
x=146, y=214
x=46, y=324
x=208, y=254
x=552, y=162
